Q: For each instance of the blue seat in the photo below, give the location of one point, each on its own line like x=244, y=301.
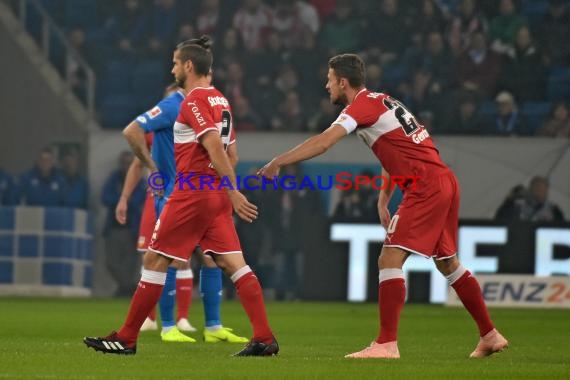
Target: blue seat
x=535, y=113
x=487, y=109
x=558, y=88
x=116, y=77
x=148, y=77
x=534, y=11
x=82, y=13
x=117, y=110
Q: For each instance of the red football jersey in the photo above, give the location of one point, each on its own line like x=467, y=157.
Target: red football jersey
x=403, y=146
x=203, y=110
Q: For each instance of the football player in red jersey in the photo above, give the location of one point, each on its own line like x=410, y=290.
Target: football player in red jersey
x=197, y=214
x=426, y=222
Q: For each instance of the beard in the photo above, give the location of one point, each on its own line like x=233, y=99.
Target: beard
x=180, y=81
x=340, y=100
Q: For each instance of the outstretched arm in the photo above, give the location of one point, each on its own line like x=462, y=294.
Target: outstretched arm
x=312, y=147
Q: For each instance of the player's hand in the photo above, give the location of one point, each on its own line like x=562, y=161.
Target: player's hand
x=121, y=211
x=270, y=170
x=245, y=210
x=384, y=215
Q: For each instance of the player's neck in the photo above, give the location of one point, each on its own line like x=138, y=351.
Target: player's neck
x=351, y=94
x=192, y=83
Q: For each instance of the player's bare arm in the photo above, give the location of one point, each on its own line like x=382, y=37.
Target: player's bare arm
x=135, y=137
x=213, y=144
x=134, y=175
x=312, y=147
x=233, y=155
x=384, y=199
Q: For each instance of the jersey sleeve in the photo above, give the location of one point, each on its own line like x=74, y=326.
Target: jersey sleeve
x=196, y=113
x=161, y=116
x=359, y=113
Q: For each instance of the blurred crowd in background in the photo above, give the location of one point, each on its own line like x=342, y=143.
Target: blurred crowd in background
x=476, y=67
x=468, y=67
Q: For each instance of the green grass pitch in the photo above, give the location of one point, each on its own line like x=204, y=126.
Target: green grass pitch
x=42, y=339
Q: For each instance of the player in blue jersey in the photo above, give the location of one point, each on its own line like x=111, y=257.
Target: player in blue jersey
x=160, y=121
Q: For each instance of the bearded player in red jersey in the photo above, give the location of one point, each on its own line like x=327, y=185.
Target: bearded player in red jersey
x=426, y=221
x=196, y=213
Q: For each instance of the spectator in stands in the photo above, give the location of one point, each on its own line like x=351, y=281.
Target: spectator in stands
x=554, y=33
x=374, y=74
x=76, y=188
x=558, y=124
x=245, y=119
x=323, y=118
x=264, y=64
x=127, y=28
x=342, y=31
x=434, y=57
x=6, y=189
x=427, y=19
x=509, y=120
x=381, y=24
x=537, y=207
x=464, y=119
x=253, y=20
x=122, y=259
x=233, y=85
x=324, y=7
x=186, y=31
x=291, y=216
x=208, y=21
x=532, y=206
x=42, y=185
x=163, y=23
x=290, y=115
x=479, y=68
x=230, y=50
x=504, y=27
x=464, y=25
x=359, y=205
x=509, y=210
x=308, y=17
x=525, y=72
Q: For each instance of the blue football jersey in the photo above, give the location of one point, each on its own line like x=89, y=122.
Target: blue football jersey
x=160, y=121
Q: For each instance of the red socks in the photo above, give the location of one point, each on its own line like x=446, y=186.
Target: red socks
x=145, y=298
x=152, y=314
x=391, y=298
x=251, y=297
x=184, y=286
x=469, y=292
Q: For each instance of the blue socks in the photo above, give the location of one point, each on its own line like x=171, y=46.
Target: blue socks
x=167, y=299
x=211, y=292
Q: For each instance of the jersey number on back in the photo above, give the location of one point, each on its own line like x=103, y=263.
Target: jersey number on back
x=226, y=128
x=405, y=117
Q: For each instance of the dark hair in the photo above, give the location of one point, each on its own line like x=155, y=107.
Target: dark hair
x=349, y=66
x=198, y=51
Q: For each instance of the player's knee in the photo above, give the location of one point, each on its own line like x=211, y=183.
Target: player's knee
x=447, y=266
x=392, y=257
x=154, y=261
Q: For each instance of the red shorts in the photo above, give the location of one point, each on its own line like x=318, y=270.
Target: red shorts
x=190, y=219
x=427, y=220
x=148, y=220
